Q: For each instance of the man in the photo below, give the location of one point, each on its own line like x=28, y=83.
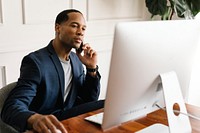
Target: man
x=52, y=80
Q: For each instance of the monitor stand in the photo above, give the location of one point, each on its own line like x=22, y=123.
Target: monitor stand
x=178, y=123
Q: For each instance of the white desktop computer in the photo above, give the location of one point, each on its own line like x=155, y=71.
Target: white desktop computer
x=151, y=65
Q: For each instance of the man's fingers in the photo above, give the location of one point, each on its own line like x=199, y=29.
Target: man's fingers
x=49, y=124
x=56, y=126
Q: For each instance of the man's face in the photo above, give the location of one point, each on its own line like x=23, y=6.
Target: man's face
x=71, y=32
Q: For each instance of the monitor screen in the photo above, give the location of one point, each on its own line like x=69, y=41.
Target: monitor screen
x=141, y=51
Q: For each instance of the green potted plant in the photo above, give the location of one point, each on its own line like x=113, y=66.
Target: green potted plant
x=167, y=8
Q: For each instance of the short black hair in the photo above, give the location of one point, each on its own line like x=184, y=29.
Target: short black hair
x=63, y=16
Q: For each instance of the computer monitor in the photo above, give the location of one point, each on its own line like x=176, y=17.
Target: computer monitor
x=142, y=50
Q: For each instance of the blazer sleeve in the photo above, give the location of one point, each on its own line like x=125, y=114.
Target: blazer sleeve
x=92, y=85
x=90, y=89
x=16, y=108
x=88, y=86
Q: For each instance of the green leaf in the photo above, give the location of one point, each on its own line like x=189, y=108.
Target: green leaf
x=156, y=7
x=183, y=8
x=194, y=6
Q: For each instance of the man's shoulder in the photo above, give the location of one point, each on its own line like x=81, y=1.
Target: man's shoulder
x=46, y=50
x=39, y=53
x=40, y=56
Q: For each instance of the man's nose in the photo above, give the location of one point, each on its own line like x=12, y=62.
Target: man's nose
x=80, y=32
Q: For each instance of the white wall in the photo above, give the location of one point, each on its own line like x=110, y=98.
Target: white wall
x=27, y=25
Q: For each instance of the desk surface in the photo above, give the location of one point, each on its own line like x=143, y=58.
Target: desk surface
x=79, y=125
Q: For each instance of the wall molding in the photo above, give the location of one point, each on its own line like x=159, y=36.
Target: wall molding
x=2, y=76
x=95, y=42
x=1, y=12
x=14, y=50
x=119, y=10
x=46, y=10
x=23, y=12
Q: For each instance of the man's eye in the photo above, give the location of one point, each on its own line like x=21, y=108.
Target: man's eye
x=74, y=26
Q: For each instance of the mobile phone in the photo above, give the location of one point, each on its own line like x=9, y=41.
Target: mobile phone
x=80, y=49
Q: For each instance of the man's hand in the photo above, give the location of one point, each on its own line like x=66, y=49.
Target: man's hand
x=45, y=123
x=89, y=56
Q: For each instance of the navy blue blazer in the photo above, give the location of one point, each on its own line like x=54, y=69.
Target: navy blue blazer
x=40, y=88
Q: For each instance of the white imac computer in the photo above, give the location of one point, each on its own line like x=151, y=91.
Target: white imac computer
x=148, y=56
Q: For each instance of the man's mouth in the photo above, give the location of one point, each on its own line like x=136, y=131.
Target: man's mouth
x=77, y=40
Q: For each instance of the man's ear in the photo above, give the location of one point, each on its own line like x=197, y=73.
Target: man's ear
x=57, y=28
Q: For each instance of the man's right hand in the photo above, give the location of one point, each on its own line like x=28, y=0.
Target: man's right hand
x=45, y=123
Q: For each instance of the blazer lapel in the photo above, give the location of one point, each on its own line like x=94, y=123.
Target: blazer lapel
x=73, y=92
x=58, y=67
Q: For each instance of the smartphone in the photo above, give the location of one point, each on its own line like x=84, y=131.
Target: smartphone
x=79, y=50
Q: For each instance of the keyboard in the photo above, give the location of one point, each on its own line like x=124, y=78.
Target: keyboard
x=155, y=128
x=97, y=118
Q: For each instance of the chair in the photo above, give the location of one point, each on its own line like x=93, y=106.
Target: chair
x=4, y=128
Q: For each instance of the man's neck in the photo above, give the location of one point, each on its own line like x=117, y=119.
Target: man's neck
x=62, y=52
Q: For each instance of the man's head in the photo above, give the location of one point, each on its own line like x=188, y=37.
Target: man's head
x=63, y=16
x=70, y=28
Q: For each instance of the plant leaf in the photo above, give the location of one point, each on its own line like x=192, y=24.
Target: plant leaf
x=180, y=7
x=194, y=6
x=157, y=7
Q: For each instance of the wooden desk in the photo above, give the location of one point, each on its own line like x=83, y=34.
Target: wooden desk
x=79, y=125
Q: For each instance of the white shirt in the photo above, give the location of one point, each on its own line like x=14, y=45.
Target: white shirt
x=68, y=76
